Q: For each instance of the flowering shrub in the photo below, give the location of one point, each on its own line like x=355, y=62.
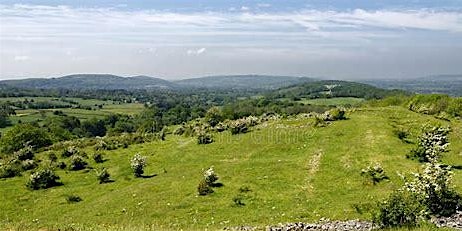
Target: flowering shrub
x=433, y=189
x=69, y=151
x=101, y=145
x=44, y=178
x=28, y=164
x=9, y=170
x=210, y=176
x=77, y=163
x=432, y=143
x=26, y=153
x=238, y=126
x=204, y=138
x=138, y=163
x=374, y=173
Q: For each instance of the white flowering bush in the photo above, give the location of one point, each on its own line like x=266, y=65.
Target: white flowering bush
x=26, y=153
x=137, y=164
x=374, y=174
x=103, y=176
x=70, y=151
x=210, y=176
x=44, y=178
x=433, y=189
x=432, y=143
x=77, y=163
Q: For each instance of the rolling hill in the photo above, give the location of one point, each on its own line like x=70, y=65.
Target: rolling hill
x=92, y=81
x=242, y=82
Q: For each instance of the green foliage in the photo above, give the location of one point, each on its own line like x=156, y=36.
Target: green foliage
x=210, y=176
x=238, y=126
x=73, y=199
x=400, y=209
x=374, y=174
x=77, y=162
x=26, y=153
x=70, y=151
x=98, y=157
x=204, y=138
x=43, y=178
x=214, y=116
x=137, y=164
x=203, y=188
x=103, y=176
x=24, y=134
x=10, y=170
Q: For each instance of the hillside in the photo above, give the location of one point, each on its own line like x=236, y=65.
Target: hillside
x=282, y=171
x=92, y=81
x=334, y=88
x=242, y=82
x=442, y=84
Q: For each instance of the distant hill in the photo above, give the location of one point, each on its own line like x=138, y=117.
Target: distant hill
x=444, y=84
x=92, y=81
x=334, y=88
x=242, y=82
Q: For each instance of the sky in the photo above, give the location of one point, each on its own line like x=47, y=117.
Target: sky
x=177, y=39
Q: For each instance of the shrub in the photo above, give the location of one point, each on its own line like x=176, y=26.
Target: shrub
x=28, y=164
x=401, y=134
x=70, y=151
x=103, y=176
x=52, y=157
x=375, y=173
x=204, y=138
x=98, y=157
x=433, y=189
x=44, y=178
x=101, y=145
x=204, y=188
x=238, y=200
x=400, y=209
x=73, y=199
x=336, y=114
x=210, y=176
x=138, y=163
x=9, y=170
x=432, y=143
x=24, y=134
x=238, y=126
x=77, y=163
x=26, y=153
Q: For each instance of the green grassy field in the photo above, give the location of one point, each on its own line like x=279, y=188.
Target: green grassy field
x=333, y=101
x=38, y=115
x=295, y=173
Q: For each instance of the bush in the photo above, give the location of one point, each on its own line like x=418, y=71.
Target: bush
x=98, y=157
x=138, y=163
x=103, y=176
x=204, y=188
x=77, y=163
x=9, y=170
x=375, y=173
x=433, y=189
x=28, y=164
x=44, y=178
x=400, y=209
x=70, y=151
x=26, y=153
x=210, y=176
x=238, y=126
x=432, y=143
x=24, y=134
x=73, y=199
x=204, y=138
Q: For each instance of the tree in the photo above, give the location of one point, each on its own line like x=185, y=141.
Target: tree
x=214, y=116
x=22, y=135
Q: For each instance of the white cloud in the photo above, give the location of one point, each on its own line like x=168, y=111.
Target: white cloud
x=245, y=8
x=196, y=52
x=20, y=58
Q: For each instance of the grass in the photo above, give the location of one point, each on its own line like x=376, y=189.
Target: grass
x=35, y=115
x=333, y=101
x=294, y=172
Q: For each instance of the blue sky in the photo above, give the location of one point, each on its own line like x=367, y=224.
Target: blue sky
x=173, y=39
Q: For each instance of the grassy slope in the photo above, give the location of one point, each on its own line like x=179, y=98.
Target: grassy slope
x=295, y=172
x=333, y=101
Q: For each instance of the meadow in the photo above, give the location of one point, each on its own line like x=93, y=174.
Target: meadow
x=282, y=171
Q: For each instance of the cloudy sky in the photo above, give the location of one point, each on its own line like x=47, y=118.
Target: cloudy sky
x=343, y=39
